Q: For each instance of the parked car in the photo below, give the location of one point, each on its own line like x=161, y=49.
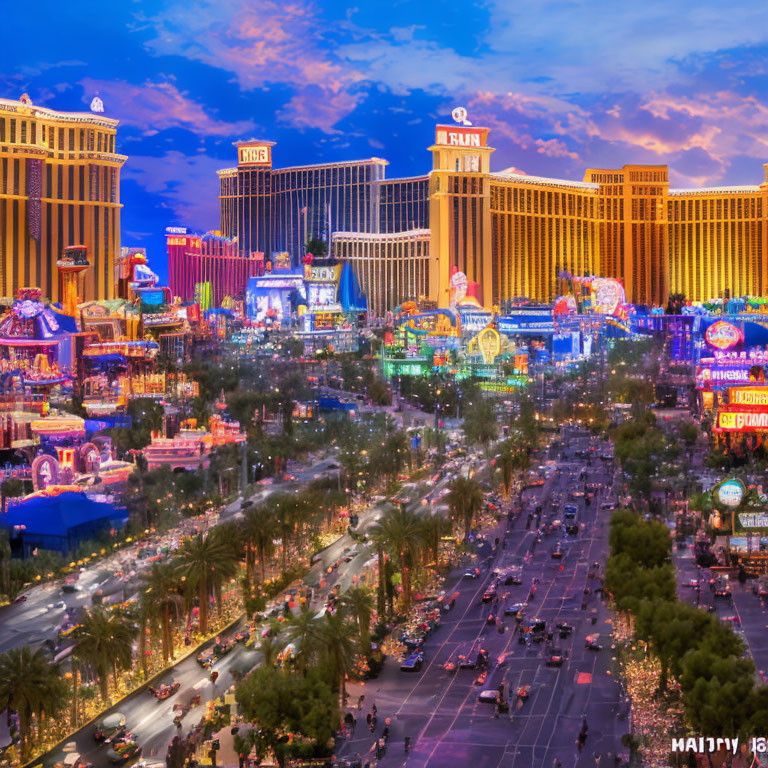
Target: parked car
x=413, y=662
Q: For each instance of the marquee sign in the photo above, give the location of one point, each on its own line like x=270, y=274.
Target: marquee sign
x=461, y=136
x=747, y=357
x=742, y=421
x=254, y=155
x=748, y=396
x=723, y=335
x=709, y=374
x=748, y=520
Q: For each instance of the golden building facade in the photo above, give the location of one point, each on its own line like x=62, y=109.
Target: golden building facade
x=390, y=267
x=59, y=186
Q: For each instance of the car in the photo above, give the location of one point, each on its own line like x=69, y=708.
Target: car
x=21, y=599
x=535, y=628
x=565, y=629
x=513, y=574
x=413, y=662
x=71, y=588
x=478, y=661
x=516, y=610
x=488, y=696
x=124, y=752
x=489, y=594
x=608, y=506
x=471, y=573
x=165, y=690
x=592, y=643
x=108, y=726
x=557, y=552
x=572, y=529
x=555, y=658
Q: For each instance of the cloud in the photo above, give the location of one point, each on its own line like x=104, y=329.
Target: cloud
x=263, y=44
x=158, y=106
x=186, y=185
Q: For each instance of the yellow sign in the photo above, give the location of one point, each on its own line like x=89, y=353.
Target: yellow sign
x=748, y=395
x=259, y=155
x=489, y=342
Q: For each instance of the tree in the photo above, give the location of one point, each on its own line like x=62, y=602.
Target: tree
x=337, y=641
x=358, y=601
x=259, y=532
x=514, y=457
x=303, y=634
x=465, y=499
x=317, y=247
x=647, y=542
x=480, y=426
x=161, y=591
x=400, y=532
x=294, y=715
x=104, y=642
x=630, y=583
x=32, y=686
x=204, y=562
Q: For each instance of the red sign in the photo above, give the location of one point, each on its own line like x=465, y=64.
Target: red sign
x=723, y=335
x=742, y=421
x=461, y=136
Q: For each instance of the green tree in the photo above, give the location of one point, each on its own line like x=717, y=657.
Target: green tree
x=647, y=542
x=317, y=247
x=293, y=715
x=465, y=500
x=161, y=591
x=337, y=640
x=204, y=561
x=480, y=425
x=32, y=686
x=303, y=634
x=400, y=532
x=259, y=533
x=104, y=642
x=358, y=602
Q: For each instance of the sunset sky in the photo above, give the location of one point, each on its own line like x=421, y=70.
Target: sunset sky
x=562, y=85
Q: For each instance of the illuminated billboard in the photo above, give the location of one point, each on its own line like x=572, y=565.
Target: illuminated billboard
x=742, y=421
x=723, y=335
x=748, y=396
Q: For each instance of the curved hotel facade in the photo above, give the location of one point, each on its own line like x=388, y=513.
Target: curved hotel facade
x=511, y=233
x=59, y=186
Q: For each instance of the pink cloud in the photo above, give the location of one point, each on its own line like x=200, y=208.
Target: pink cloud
x=554, y=148
x=155, y=107
x=262, y=44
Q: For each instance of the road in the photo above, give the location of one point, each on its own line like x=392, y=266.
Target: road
x=441, y=714
x=151, y=721
x=48, y=607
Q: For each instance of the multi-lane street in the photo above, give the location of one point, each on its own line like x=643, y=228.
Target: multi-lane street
x=441, y=712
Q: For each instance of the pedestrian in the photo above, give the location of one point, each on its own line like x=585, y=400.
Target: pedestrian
x=360, y=701
x=407, y=744
x=368, y=719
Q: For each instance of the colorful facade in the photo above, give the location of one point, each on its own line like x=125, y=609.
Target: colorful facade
x=59, y=186
x=199, y=259
x=512, y=234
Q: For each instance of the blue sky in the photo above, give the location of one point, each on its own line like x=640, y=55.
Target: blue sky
x=563, y=84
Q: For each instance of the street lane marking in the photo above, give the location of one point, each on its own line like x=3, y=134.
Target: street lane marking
x=200, y=684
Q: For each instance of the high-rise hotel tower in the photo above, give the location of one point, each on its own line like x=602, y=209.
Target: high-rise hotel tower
x=59, y=186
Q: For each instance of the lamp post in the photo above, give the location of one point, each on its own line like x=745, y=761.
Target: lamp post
x=437, y=410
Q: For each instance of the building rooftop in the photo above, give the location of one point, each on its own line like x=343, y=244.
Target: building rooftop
x=10, y=105
x=522, y=178
x=734, y=190
x=408, y=233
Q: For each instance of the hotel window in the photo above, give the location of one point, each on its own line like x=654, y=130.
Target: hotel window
x=2, y=129
x=71, y=139
x=13, y=130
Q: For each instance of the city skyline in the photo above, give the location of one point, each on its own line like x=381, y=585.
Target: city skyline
x=328, y=83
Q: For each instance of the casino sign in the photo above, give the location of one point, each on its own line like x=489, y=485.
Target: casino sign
x=723, y=335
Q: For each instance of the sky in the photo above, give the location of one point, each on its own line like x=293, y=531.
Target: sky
x=564, y=85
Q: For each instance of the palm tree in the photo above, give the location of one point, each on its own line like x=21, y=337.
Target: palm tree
x=513, y=457
x=337, y=639
x=400, y=532
x=465, y=500
x=204, y=562
x=104, y=642
x=435, y=527
x=289, y=510
x=303, y=634
x=161, y=591
x=358, y=601
x=259, y=532
x=33, y=686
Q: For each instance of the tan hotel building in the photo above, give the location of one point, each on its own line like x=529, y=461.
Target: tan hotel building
x=514, y=234
x=59, y=186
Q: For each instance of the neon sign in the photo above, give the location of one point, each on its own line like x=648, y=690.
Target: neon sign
x=460, y=136
x=723, y=335
x=254, y=156
x=738, y=421
x=748, y=395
